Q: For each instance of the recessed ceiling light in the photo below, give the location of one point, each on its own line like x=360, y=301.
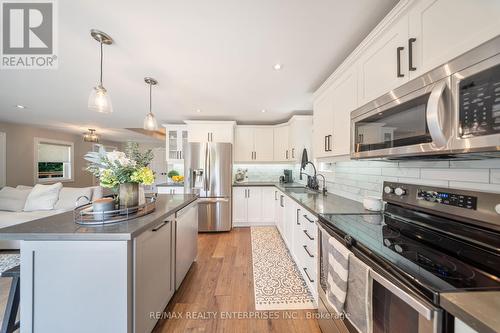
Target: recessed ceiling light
x=198, y=110
x=19, y=106
x=277, y=67
x=263, y=110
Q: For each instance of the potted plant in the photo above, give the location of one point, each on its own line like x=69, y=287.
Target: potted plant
x=122, y=172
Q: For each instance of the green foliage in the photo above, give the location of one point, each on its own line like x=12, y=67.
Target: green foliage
x=172, y=173
x=133, y=153
x=114, y=168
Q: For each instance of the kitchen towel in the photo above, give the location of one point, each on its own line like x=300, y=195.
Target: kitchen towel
x=338, y=272
x=358, y=303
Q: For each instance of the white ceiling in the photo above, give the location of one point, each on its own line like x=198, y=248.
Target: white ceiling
x=216, y=55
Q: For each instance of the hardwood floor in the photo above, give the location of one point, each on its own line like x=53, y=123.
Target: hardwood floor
x=220, y=283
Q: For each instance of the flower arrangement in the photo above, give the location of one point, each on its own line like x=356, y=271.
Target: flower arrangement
x=116, y=167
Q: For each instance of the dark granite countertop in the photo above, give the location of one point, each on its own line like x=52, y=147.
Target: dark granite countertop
x=63, y=227
x=478, y=309
x=316, y=203
x=170, y=185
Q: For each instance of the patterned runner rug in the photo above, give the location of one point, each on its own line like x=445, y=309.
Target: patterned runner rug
x=278, y=284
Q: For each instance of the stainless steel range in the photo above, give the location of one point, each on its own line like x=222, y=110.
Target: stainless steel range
x=428, y=241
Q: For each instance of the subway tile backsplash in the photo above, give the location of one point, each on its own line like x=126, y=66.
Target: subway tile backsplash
x=265, y=172
x=357, y=179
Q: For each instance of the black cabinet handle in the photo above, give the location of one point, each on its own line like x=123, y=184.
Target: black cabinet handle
x=326, y=139
x=307, y=250
x=275, y=195
x=307, y=218
x=298, y=211
x=305, y=271
x=281, y=201
x=158, y=227
x=329, y=137
x=410, y=54
x=308, y=236
x=398, y=50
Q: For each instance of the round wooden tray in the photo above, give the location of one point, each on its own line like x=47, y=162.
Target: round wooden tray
x=85, y=216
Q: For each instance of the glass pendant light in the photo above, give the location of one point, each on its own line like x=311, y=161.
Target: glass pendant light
x=150, y=123
x=99, y=100
x=91, y=136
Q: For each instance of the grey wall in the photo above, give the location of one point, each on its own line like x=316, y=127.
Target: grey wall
x=20, y=153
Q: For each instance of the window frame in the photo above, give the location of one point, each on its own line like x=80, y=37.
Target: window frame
x=37, y=180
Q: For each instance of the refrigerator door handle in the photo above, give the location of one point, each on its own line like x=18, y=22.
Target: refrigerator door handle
x=205, y=185
x=209, y=167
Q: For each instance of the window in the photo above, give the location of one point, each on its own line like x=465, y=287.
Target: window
x=53, y=160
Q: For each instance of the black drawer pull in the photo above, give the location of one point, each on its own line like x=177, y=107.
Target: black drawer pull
x=305, y=271
x=410, y=54
x=158, y=227
x=298, y=211
x=398, y=50
x=307, y=218
x=307, y=250
x=308, y=236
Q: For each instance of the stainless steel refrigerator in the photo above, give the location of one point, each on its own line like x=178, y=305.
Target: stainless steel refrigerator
x=208, y=169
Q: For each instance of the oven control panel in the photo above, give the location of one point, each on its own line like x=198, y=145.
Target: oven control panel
x=479, y=104
x=446, y=198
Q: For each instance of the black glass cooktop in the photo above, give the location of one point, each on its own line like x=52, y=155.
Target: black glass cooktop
x=435, y=260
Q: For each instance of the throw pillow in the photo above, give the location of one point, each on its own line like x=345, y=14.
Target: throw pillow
x=42, y=197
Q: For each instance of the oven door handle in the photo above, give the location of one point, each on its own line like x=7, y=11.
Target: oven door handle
x=434, y=105
x=427, y=311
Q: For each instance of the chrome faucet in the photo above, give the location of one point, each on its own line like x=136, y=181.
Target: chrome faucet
x=323, y=189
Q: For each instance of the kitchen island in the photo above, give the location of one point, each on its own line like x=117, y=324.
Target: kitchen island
x=104, y=278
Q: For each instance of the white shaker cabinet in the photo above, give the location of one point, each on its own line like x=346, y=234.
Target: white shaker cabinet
x=253, y=144
x=280, y=211
x=323, y=123
x=254, y=210
x=210, y=131
x=444, y=29
x=253, y=205
x=344, y=100
x=281, y=149
x=383, y=65
x=299, y=137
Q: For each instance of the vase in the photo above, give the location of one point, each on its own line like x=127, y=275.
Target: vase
x=128, y=195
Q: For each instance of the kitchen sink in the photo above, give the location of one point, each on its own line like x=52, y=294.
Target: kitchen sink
x=301, y=190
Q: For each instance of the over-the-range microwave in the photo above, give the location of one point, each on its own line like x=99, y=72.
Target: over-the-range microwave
x=450, y=112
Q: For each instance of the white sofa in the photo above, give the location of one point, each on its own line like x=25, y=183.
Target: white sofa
x=65, y=202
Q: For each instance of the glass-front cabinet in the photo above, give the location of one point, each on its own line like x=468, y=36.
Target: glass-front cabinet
x=177, y=137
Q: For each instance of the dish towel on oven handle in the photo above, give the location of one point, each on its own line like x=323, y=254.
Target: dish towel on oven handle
x=338, y=273
x=358, y=304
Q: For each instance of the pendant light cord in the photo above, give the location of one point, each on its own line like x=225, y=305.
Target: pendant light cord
x=150, y=99
x=100, y=78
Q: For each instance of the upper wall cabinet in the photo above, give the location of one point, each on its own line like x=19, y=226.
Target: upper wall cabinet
x=415, y=37
x=277, y=143
x=210, y=131
x=383, y=65
x=441, y=30
x=177, y=137
x=332, y=110
x=253, y=144
x=344, y=100
x=281, y=148
x=323, y=123
x=299, y=137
